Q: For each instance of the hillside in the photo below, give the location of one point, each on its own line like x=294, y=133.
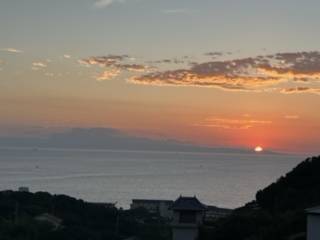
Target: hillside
x=278, y=213
x=299, y=189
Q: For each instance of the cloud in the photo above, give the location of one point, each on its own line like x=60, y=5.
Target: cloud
x=134, y=67
x=214, y=54
x=39, y=65
x=259, y=73
x=283, y=72
x=106, y=3
x=175, y=11
x=67, y=56
x=49, y=74
x=104, y=61
x=169, y=61
x=115, y=65
x=36, y=66
x=217, y=54
x=301, y=90
x=190, y=78
x=107, y=75
x=103, y=3
x=11, y=50
x=232, y=123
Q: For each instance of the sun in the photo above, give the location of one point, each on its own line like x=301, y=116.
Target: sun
x=258, y=149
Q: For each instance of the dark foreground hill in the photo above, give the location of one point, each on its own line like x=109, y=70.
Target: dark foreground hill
x=42, y=216
x=278, y=213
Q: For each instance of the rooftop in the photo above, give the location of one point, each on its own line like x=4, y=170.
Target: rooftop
x=151, y=201
x=188, y=203
x=314, y=210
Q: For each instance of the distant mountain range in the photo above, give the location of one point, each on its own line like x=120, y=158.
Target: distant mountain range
x=109, y=138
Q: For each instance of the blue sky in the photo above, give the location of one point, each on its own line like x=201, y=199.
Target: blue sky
x=150, y=27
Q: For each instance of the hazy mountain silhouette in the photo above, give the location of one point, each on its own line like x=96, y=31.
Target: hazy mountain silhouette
x=108, y=138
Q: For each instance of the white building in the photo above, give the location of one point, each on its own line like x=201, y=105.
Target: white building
x=214, y=213
x=313, y=223
x=161, y=207
x=188, y=215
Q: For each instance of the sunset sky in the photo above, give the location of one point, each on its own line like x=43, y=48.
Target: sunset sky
x=218, y=73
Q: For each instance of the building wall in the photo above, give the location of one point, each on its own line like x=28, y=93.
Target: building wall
x=150, y=206
x=184, y=233
x=161, y=207
x=199, y=218
x=164, y=210
x=313, y=228
x=216, y=214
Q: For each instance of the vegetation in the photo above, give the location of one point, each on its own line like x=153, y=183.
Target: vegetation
x=81, y=220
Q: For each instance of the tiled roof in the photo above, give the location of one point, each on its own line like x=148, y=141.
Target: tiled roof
x=314, y=210
x=188, y=203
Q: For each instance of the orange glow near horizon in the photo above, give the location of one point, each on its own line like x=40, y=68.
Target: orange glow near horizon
x=276, y=127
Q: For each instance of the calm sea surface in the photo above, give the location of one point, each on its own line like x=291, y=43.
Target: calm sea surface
x=225, y=180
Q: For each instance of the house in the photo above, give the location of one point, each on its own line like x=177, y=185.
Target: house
x=104, y=204
x=313, y=223
x=23, y=189
x=161, y=207
x=188, y=216
x=214, y=213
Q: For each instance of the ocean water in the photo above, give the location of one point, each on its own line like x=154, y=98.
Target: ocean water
x=225, y=180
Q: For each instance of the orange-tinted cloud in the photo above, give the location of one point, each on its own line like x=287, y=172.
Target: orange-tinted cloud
x=107, y=75
x=104, y=61
x=114, y=64
x=250, y=74
x=115, y=61
x=315, y=90
x=232, y=123
x=134, y=67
